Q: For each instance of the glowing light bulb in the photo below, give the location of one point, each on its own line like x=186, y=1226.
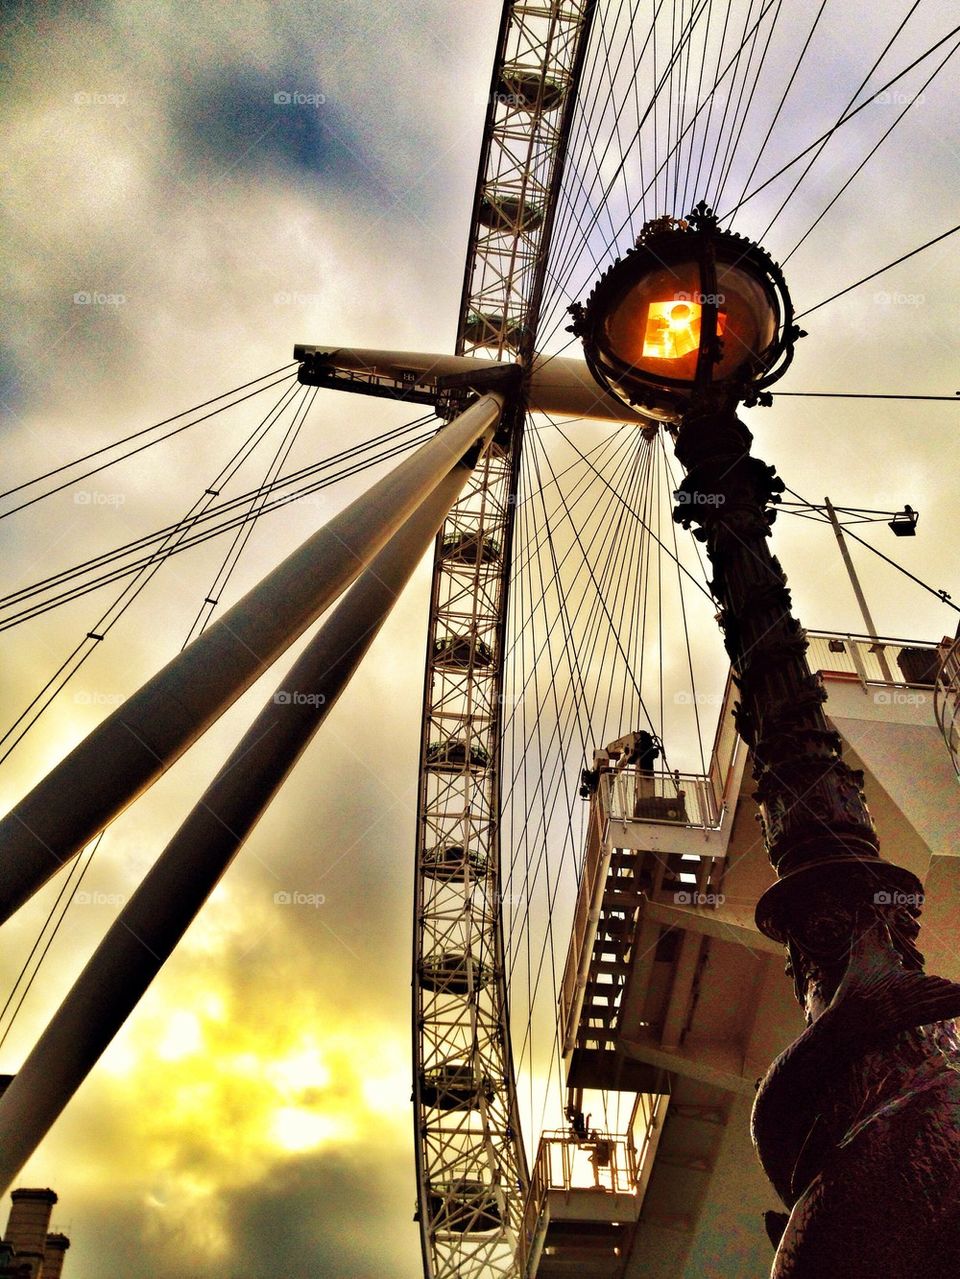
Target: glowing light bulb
x=673, y=329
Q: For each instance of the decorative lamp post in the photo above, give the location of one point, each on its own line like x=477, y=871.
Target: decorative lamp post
x=857, y=1123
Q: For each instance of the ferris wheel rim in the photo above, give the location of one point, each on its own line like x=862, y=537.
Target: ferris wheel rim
x=439, y=648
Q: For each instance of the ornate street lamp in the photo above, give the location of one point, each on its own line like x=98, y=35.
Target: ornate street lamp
x=851, y=1118
x=691, y=312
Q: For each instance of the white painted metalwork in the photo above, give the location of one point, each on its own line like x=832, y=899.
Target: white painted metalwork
x=471, y=1168
x=132, y=747
x=173, y=892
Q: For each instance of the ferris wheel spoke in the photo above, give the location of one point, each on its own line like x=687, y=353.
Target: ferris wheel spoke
x=820, y=149
x=563, y=272
x=872, y=152
x=844, y=118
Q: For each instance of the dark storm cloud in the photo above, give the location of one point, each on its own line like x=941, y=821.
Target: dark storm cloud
x=42, y=14
x=302, y=1221
x=249, y=121
x=299, y=1222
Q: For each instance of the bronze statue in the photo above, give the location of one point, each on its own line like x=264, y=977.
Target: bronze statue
x=857, y=1123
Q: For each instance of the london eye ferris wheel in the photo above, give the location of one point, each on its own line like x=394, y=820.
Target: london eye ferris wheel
x=569, y=614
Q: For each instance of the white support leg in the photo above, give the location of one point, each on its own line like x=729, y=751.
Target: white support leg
x=151, y=730
x=173, y=892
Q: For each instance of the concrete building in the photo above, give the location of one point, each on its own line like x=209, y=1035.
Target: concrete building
x=671, y=993
x=29, y=1250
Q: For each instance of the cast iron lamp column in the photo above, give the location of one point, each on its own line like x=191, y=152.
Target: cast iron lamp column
x=857, y=1123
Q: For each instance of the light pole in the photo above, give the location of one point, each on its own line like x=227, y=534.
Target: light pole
x=850, y=1120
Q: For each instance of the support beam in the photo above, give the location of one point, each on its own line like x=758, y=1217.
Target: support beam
x=145, y=933
x=681, y=989
x=558, y=385
x=711, y=1063
x=147, y=734
x=858, y=592
x=717, y=922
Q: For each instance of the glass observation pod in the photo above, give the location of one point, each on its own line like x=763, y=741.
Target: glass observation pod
x=485, y=330
x=461, y=650
x=524, y=88
x=451, y=972
x=454, y=1086
x=452, y=755
x=509, y=213
x=465, y=547
x=450, y=863
x=464, y=1207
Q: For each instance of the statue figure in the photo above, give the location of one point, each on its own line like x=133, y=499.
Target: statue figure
x=857, y=1123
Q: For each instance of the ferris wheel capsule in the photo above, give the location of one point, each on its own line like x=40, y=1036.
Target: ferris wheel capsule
x=522, y=88
x=509, y=213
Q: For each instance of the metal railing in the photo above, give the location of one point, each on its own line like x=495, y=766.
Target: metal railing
x=946, y=699
x=727, y=745
x=605, y=1163
x=608, y=1163
x=564, y=1165
x=688, y=799
x=873, y=661
x=645, y=1122
x=582, y=934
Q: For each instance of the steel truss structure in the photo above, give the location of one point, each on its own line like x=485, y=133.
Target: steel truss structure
x=471, y=1168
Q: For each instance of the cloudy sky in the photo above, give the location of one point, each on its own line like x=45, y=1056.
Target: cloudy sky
x=172, y=230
